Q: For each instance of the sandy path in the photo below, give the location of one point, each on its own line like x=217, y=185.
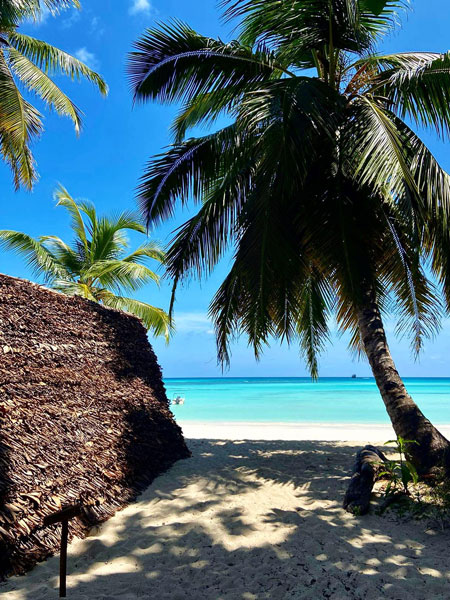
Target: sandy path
x=249, y=520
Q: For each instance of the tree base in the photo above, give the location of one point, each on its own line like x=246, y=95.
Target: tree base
x=369, y=462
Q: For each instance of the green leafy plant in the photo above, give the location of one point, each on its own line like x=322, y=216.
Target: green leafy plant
x=96, y=265
x=400, y=472
x=427, y=501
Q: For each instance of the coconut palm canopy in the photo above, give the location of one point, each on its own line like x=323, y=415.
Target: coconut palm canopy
x=96, y=265
x=27, y=66
x=319, y=185
x=329, y=201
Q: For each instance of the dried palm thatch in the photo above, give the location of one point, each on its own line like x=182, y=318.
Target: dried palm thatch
x=84, y=416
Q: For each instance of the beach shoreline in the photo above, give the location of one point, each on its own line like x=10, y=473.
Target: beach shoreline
x=251, y=430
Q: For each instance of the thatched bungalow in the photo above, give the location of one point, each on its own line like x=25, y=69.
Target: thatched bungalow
x=84, y=416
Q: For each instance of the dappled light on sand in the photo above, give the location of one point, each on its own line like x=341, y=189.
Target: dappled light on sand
x=248, y=521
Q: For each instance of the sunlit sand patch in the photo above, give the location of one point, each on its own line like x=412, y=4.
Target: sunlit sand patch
x=249, y=521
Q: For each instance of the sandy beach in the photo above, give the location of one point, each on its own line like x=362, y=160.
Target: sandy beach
x=250, y=520
x=371, y=433
x=290, y=431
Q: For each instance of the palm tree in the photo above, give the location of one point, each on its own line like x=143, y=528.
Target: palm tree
x=329, y=201
x=27, y=64
x=13, y=11
x=96, y=265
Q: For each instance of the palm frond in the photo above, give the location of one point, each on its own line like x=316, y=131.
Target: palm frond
x=12, y=12
x=52, y=60
x=200, y=243
x=417, y=301
x=205, y=109
x=154, y=319
x=58, y=5
x=20, y=124
x=186, y=170
x=151, y=249
x=39, y=258
x=119, y=274
x=433, y=182
x=74, y=288
x=260, y=296
x=226, y=313
x=65, y=199
x=354, y=25
x=175, y=62
x=65, y=255
x=35, y=80
x=293, y=118
x=415, y=85
x=312, y=321
x=20, y=160
x=377, y=157
x=109, y=236
x=241, y=304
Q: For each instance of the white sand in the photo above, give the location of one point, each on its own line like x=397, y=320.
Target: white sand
x=286, y=431
x=250, y=520
x=292, y=431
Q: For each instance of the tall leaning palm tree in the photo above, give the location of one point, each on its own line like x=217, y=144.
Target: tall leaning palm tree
x=97, y=265
x=329, y=200
x=26, y=66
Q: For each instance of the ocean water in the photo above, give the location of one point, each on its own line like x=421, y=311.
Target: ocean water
x=296, y=400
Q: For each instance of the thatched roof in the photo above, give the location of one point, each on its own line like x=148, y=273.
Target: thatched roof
x=83, y=416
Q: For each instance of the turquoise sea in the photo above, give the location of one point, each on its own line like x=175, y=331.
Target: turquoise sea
x=296, y=400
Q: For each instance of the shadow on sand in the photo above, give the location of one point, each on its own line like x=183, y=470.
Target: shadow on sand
x=249, y=520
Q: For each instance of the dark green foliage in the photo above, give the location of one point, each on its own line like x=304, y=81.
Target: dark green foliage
x=318, y=186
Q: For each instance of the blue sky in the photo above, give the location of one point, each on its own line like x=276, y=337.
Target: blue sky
x=105, y=162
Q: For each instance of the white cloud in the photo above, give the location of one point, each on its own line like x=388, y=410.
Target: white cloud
x=74, y=17
x=192, y=322
x=96, y=26
x=87, y=57
x=141, y=6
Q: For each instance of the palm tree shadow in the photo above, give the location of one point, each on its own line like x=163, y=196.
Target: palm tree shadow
x=249, y=520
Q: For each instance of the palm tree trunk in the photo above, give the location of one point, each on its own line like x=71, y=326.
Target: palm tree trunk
x=407, y=419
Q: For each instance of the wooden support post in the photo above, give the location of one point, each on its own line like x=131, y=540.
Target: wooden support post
x=63, y=558
x=63, y=516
